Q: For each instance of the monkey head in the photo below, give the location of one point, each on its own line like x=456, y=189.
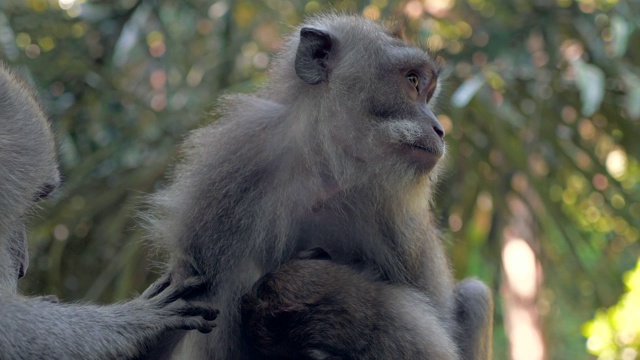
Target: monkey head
x=310, y=308
x=371, y=94
x=28, y=167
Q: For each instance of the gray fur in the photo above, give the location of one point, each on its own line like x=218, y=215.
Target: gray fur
x=474, y=314
x=24, y=134
x=300, y=165
x=40, y=328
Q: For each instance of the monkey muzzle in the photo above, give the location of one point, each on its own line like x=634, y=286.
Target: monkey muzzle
x=424, y=155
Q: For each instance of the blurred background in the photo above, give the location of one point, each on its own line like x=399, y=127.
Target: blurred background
x=541, y=197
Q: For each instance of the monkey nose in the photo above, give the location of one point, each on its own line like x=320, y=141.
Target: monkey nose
x=437, y=128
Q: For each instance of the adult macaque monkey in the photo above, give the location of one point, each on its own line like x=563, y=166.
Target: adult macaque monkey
x=339, y=150
x=39, y=328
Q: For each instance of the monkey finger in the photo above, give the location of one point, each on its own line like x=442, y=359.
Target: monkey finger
x=207, y=311
x=207, y=328
x=186, y=289
x=157, y=287
x=195, y=323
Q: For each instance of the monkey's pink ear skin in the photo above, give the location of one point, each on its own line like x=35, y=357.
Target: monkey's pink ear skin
x=311, y=57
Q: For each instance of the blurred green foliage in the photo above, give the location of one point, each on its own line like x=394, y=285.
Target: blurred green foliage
x=615, y=333
x=542, y=104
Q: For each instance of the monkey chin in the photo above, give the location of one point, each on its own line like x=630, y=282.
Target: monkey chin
x=424, y=159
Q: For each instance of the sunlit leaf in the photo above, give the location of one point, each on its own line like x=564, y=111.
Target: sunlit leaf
x=618, y=326
x=590, y=81
x=467, y=91
x=9, y=49
x=620, y=32
x=130, y=34
x=632, y=99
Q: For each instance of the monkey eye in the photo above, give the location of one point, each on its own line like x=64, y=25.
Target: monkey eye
x=414, y=80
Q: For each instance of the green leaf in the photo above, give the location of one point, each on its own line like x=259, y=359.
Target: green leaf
x=632, y=98
x=620, y=31
x=467, y=90
x=590, y=81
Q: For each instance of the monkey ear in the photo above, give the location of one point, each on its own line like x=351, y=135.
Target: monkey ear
x=311, y=58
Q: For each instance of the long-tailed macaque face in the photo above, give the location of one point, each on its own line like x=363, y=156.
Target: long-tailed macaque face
x=382, y=114
x=402, y=112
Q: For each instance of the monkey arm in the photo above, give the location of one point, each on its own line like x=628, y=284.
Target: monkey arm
x=474, y=319
x=37, y=328
x=467, y=306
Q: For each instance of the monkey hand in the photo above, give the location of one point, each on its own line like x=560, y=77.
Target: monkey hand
x=172, y=301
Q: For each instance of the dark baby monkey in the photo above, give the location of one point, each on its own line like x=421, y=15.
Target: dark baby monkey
x=313, y=308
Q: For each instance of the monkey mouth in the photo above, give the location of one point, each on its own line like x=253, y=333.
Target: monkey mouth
x=426, y=148
x=424, y=156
